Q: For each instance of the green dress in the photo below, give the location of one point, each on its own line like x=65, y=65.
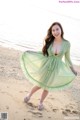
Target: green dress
x=50, y=72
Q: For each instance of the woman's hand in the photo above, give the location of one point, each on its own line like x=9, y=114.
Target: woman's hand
x=72, y=69
x=74, y=72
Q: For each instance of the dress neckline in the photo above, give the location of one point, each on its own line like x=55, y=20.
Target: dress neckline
x=60, y=48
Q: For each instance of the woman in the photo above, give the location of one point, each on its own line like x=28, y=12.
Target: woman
x=46, y=69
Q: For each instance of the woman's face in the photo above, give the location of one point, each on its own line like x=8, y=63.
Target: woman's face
x=56, y=31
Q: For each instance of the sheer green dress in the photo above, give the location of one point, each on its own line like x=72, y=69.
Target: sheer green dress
x=50, y=72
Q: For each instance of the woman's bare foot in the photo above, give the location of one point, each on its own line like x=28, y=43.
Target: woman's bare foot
x=40, y=106
x=26, y=99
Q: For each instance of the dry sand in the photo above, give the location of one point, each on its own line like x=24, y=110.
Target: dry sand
x=59, y=105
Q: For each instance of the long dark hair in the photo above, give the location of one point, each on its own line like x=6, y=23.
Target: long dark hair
x=50, y=38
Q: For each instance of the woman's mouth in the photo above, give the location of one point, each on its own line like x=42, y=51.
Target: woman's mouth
x=56, y=35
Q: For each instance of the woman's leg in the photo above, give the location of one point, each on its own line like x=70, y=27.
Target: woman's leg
x=33, y=90
x=43, y=96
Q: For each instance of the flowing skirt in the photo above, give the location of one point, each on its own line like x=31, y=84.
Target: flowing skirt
x=49, y=73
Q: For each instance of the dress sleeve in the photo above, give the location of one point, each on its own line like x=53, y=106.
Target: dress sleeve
x=67, y=56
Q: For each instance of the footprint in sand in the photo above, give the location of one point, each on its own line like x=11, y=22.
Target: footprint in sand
x=55, y=110
x=39, y=114
x=75, y=112
x=69, y=111
x=31, y=105
x=66, y=112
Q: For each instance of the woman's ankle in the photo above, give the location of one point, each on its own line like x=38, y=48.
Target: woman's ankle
x=40, y=102
x=40, y=106
x=28, y=95
x=26, y=99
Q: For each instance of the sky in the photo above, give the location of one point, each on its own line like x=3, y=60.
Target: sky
x=26, y=18
x=29, y=20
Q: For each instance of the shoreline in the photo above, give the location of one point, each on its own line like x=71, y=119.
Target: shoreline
x=59, y=105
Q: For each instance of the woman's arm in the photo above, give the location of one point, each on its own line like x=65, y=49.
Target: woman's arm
x=73, y=70
x=68, y=59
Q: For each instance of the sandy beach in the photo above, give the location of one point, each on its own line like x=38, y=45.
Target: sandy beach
x=59, y=105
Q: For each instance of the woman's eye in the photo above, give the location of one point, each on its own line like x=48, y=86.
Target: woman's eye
x=57, y=29
x=53, y=30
